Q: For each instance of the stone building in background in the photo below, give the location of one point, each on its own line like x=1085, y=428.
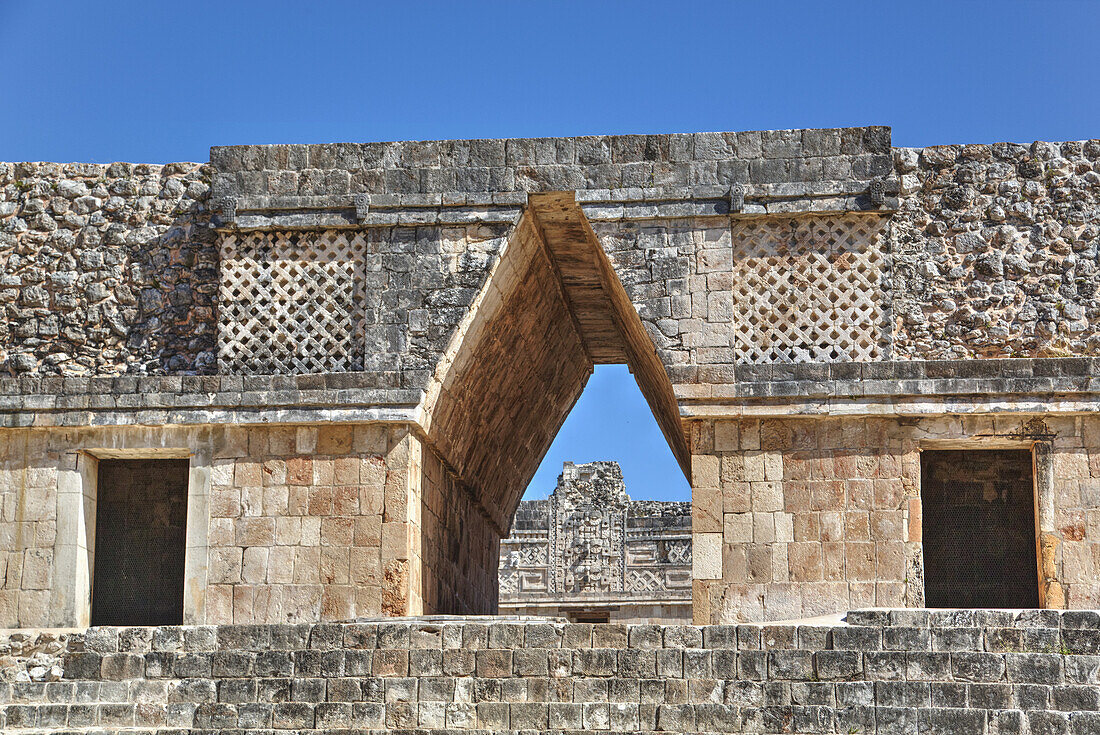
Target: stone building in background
x=591, y=554
x=343, y=363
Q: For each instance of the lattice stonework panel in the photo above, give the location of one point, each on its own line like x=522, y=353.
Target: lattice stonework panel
x=291, y=303
x=808, y=289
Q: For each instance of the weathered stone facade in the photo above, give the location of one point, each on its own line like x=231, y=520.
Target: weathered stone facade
x=805, y=312
x=995, y=250
x=107, y=269
x=589, y=551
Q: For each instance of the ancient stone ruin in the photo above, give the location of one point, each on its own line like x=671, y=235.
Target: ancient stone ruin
x=589, y=553
x=250, y=400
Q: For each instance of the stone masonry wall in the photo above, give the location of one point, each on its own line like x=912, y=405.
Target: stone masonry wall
x=511, y=376
x=997, y=672
x=812, y=515
x=995, y=250
x=296, y=527
x=106, y=269
x=551, y=164
x=801, y=517
x=299, y=524
x=28, y=527
x=459, y=544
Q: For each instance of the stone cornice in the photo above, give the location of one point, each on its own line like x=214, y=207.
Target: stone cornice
x=915, y=388
x=259, y=212
x=1033, y=385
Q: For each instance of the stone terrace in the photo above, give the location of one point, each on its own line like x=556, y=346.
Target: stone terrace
x=902, y=671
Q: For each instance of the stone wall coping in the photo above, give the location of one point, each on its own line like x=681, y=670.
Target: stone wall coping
x=500, y=632
x=585, y=149
x=344, y=184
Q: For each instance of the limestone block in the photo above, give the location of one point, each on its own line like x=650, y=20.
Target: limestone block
x=37, y=571
x=805, y=561
x=737, y=528
x=773, y=466
x=395, y=540
x=736, y=497
x=221, y=472
x=705, y=471
x=225, y=565
x=753, y=466
x=763, y=528
x=727, y=436
x=766, y=496
x=306, y=440
x=706, y=507
x=706, y=555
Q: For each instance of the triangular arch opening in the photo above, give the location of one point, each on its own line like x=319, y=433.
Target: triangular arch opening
x=551, y=309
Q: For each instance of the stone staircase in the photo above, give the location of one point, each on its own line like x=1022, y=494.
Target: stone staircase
x=902, y=671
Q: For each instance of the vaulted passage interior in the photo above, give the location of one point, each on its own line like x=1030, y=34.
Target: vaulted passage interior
x=552, y=309
x=141, y=523
x=979, y=529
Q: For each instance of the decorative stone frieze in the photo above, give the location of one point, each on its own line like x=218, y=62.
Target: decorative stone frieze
x=809, y=289
x=590, y=548
x=291, y=305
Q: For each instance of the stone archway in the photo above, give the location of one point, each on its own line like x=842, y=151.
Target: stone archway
x=551, y=309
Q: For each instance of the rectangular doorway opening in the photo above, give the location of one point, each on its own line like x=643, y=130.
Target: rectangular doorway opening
x=140, y=541
x=588, y=616
x=979, y=529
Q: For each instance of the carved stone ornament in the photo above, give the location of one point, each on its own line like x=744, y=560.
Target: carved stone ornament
x=737, y=198
x=362, y=207
x=877, y=192
x=228, y=208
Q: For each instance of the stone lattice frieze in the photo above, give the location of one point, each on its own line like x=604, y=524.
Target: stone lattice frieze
x=291, y=304
x=809, y=289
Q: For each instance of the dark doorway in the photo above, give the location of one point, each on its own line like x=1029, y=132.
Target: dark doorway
x=979, y=529
x=140, y=537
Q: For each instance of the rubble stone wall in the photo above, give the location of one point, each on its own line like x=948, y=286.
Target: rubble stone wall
x=801, y=517
x=972, y=671
x=995, y=251
x=106, y=269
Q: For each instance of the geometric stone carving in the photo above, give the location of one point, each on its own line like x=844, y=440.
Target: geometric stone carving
x=642, y=579
x=362, y=207
x=590, y=507
x=876, y=192
x=737, y=198
x=808, y=289
x=590, y=544
x=291, y=303
x=678, y=552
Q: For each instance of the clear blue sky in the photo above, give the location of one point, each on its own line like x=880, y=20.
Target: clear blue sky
x=158, y=81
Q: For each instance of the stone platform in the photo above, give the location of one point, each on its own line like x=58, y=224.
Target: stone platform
x=874, y=671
